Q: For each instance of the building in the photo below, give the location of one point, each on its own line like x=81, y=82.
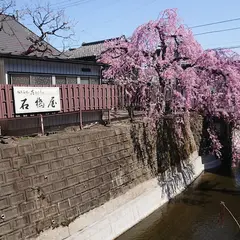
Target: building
x=89, y=52
x=18, y=66
x=39, y=68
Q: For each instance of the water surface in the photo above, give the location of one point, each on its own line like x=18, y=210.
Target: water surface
x=195, y=214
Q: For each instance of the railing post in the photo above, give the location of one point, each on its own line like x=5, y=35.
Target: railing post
x=42, y=124
x=109, y=117
x=80, y=118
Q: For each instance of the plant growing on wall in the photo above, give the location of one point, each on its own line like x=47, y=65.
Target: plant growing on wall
x=168, y=72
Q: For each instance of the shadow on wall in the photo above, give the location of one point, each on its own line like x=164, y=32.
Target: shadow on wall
x=167, y=151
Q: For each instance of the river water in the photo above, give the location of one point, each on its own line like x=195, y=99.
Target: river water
x=195, y=214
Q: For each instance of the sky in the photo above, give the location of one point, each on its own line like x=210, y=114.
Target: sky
x=102, y=19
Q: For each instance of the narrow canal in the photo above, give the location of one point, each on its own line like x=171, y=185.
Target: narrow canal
x=195, y=214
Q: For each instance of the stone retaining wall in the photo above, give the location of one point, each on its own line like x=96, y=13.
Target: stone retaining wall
x=48, y=182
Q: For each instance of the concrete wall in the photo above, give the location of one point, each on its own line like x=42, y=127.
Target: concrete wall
x=47, y=183
x=32, y=125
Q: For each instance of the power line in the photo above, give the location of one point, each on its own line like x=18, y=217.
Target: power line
x=217, y=31
x=230, y=47
x=215, y=23
x=64, y=2
x=73, y=4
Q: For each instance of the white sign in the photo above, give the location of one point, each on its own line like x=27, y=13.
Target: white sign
x=36, y=99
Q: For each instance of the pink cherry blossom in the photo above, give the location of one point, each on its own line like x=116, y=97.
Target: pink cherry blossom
x=166, y=70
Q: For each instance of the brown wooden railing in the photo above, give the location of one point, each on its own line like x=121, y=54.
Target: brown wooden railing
x=73, y=98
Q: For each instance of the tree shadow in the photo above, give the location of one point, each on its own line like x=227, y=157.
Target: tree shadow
x=144, y=147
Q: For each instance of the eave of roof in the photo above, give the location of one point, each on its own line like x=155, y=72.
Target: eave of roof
x=56, y=59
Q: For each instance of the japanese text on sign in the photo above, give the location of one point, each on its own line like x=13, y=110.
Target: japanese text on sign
x=36, y=99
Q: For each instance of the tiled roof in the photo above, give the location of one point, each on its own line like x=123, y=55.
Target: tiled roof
x=14, y=39
x=91, y=49
x=87, y=50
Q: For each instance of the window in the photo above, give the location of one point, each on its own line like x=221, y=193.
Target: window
x=89, y=80
x=22, y=79
x=27, y=79
x=66, y=80
x=41, y=80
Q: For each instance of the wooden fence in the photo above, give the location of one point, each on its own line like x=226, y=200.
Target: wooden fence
x=73, y=98
x=78, y=102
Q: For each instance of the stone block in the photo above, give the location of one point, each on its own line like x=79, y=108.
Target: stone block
x=12, y=175
x=5, y=228
x=77, y=169
x=95, y=192
x=19, y=162
x=66, y=172
x=8, y=152
x=29, y=232
x=106, y=177
x=28, y=171
x=104, y=188
x=4, y=203
x=36, y=216
x=53, y=176
x=59, y=185
x=2, y=178
x=68, y=161
x=20, y=222
x=39, y=180
x=74, y=150
x=51, y=211
x=106, y=150
x=48, y=188
x=17, y=235
x=76, y=200
x=78, y=158
x=26, y=207
x=83, y=177
x=73, y=180
x=30, y=194
x=39, y=145
x=52, y=144
x=50, y=155
x=7, y=189
x=95, y=162
x=56, y=196
x=57, y=164
x=87, y=156
x=63, y=205
x=101, y=170
x=86, y=196
x=43, y=168
x=86, y=166
x=92, y=173
x=97, y=153
x=35, y=158
x=62, y=153
x=68, y=193
x=75, y=140
x=25, y=149
x=111, y=167
x=10, y=213
x=72, y=213
x=64, y=142
x=17, y=199
x=5, y=164
x=80, y=188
